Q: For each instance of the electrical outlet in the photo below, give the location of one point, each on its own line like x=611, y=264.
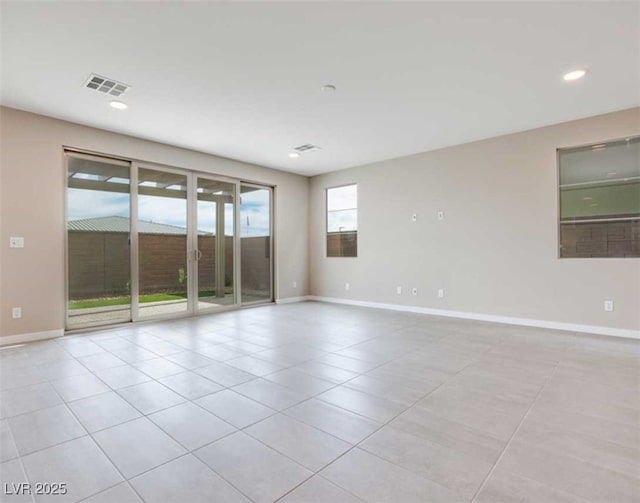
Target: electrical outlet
x=414, y=217
x=441, y=215
x=16, y=313
x=347, y=286
x=16, y=242
x=295, y=284
x=608, y=305
x=414, y=291
x=441, y=293
x=399, y=290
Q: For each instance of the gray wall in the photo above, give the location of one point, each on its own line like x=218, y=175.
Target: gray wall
x=496, y=251
x=32, y=188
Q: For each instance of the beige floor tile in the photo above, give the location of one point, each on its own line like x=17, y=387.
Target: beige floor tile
x=305, y=444
x=319, y=490
x=339, y=422
x=459, y=470
x=191, y=425
x=185, y=479
x=122, y=493
x=234, y=408
x=43, y=428
x=137, y=446
x=270, y=394
x=257, y=471
x=79, y=463
x=374, y=479
x=568, y=474
x=373, y=407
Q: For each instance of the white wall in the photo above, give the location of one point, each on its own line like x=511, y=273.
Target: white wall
x=496, y=251
x=32, y=188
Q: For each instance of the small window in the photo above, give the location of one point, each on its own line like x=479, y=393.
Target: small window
x=600, y=199
x=342, y=221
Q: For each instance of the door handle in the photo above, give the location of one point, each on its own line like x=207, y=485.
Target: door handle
x=197, y=255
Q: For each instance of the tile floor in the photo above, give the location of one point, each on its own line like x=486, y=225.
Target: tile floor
x=323, y=403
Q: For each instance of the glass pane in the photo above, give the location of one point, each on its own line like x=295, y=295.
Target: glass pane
x=342, y=244
x=600, y=200
x=342, y=198
x=341, y=221
x=98, y=242
x=255, y=236
x=215, y=223
x=162, y=243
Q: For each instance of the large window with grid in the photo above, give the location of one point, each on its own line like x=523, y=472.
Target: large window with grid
x=600, y=199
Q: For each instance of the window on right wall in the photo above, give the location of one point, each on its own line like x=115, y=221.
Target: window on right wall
x=342, y=221
x=600, y=199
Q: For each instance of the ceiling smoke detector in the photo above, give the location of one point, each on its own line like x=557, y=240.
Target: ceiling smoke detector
x=106, y=85
x=307, y=147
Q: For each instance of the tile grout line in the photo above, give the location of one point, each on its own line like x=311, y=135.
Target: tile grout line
x=317, y=473
x=97, y=444
x=504, y=450
x=383, y=425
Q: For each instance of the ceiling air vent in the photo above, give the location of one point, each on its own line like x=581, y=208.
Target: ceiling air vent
x=106, y=86
x=307, y=147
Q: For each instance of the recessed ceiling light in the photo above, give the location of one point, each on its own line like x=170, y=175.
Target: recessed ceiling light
x=330, y=88
x=575, y=75
x=118, y=105
x=294, y=155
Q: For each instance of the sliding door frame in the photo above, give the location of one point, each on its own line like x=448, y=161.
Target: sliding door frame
x=135, y=240
x=79, y=154
x=271, y=242
x=192, y=239
x=236, y=244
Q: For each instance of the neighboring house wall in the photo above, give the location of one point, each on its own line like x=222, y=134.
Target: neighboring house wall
x=255, y=269
x=99, y=263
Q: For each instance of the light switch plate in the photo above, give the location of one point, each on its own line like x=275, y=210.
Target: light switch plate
x=16, y=242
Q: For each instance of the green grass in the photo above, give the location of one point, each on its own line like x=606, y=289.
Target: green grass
x=122, y=301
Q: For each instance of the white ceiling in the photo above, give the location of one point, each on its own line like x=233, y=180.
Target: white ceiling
x=242, y=80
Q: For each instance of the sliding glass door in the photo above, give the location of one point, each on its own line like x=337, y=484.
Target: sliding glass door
x=162, y=243
x=148, y=242
x=215, y=243
x=255, y=243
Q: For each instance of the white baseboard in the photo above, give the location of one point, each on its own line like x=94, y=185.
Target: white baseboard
x=30, y=337
x=527, y=322
x=291, y=300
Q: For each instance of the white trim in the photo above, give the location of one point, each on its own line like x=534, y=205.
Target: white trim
x=30, y=337
x=291, y=300
x=555, y=325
